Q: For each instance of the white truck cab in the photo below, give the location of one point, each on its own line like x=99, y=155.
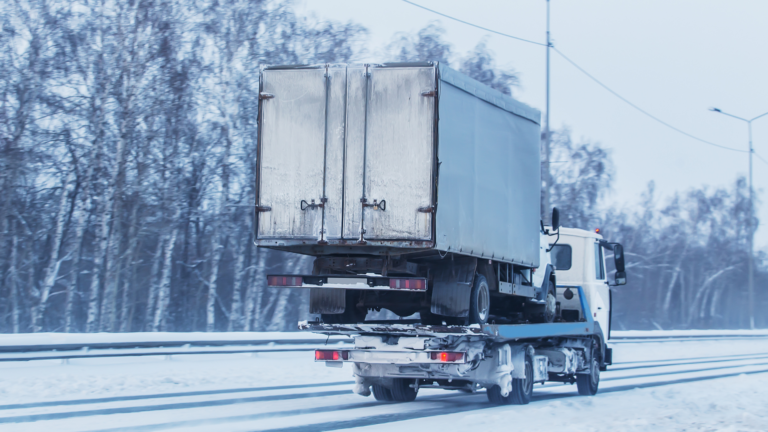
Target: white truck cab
x=579, y=258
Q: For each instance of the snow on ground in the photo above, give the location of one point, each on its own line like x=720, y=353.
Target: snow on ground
x=99, y=377
x=726, y=404
x=706, y=401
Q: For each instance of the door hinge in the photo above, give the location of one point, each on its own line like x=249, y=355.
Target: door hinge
x=263, y=208
x=430, y=93
x=266, y=96
x=427, y=209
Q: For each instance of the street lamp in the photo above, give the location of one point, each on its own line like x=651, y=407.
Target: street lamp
x=750, y=231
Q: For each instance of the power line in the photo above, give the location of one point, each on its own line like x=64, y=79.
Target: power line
x=588, y=75
x=640, y=109
x=760, y=157
x=474, y=25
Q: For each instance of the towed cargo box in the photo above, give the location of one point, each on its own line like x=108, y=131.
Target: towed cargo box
x=395, y=159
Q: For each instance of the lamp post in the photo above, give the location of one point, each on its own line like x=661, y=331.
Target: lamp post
x=750, y=232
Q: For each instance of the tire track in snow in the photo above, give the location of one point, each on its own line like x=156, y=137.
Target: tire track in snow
x=166, y=395
x=171, y=406
x=456, y=406
x=270, y=398
x=757, y=357
x=390, y=418
x=690, y=358
x=261, y=416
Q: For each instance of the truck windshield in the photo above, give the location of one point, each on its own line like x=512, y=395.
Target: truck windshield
x=561, y=257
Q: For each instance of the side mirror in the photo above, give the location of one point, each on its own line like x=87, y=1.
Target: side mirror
x=618, y=259
x=555, y=219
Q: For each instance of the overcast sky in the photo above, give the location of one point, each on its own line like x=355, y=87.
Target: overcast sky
x=673, y=58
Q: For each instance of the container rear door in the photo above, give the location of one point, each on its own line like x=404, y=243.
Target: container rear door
x=292, y=149
x=399, y=153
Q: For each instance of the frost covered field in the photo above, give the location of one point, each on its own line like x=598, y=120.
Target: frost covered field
x=713, y=383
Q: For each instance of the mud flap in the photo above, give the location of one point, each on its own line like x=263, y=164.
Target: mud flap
x=451, y=287
x=518, y=359
x=327, y=301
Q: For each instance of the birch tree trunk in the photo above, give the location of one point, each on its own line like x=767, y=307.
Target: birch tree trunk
x=210, y=307
x=12, y=280
x=52, y=268
x=133, y=257
x=154, y=286
x=256, y=293
x=164, y=291
x=235, y=318
x=92, y=320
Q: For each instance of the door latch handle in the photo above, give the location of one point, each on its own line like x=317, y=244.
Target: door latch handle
x=377, y=205
x=261, y=209
x=312, y=205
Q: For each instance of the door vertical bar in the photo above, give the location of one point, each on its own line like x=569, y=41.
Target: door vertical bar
x=324, y=199
x=344, y=151
x=363, y=200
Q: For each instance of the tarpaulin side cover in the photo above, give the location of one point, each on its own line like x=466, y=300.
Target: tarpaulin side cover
x=489, y=187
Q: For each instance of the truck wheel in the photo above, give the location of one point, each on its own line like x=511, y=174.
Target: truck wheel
x=587, y=384
x=522, y=389
x=479, y=301
x=382, y=393
x=547, y=312
x=495, y=397
x=402, y=390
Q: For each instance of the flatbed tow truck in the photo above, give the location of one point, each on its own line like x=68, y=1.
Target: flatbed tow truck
x=393, y=361
x=417, y=189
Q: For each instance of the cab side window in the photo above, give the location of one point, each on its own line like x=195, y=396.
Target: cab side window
x=599, y=263
x=561, y=257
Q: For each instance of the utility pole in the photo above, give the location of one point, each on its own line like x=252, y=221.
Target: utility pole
x=546, y=181
x=750, y=229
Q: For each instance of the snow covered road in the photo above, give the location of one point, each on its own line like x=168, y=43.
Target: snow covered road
x=710, y=384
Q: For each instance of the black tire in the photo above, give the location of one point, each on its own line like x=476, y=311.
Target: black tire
x=402, y=390
x=547, y=312
x=351, y=314
x=495, y=397
x=382, y=393
x=587, y=384
x=479, y=301
x=522, y=389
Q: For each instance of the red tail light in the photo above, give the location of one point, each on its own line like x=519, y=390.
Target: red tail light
x=283, y=281
x=447, y=357
x=413, y=284
x=322, y=355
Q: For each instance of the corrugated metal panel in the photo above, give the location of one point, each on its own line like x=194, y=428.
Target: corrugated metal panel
x=488, y=94
x=353, y=160
x=327, y=301
x=399, y=152
x=334, y=157
x=291, y=164
x=490, y=179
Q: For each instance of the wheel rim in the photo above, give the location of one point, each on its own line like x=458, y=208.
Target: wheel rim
x=483, y=302
x=595, y=375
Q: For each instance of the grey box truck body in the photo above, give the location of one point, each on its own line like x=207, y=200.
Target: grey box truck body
x=388, y=169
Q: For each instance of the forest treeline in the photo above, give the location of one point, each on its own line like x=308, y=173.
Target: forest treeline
x=127, y=158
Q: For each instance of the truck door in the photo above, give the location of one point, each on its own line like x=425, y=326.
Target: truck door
x=301, y=134
x=395, y=166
